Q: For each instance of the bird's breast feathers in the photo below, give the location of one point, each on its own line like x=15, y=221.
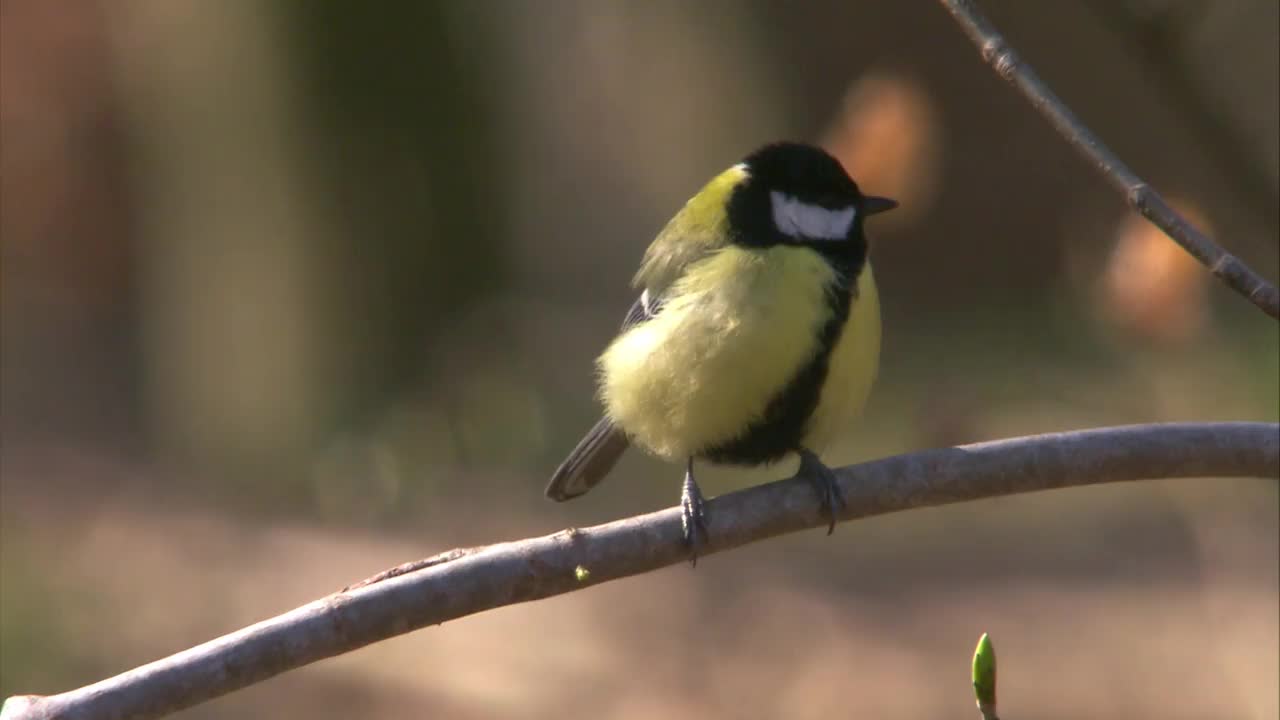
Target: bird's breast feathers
x=734, y=328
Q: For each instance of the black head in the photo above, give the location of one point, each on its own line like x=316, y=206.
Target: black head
x=797, y=194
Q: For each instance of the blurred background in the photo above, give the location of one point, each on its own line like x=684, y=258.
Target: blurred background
x=293, y=292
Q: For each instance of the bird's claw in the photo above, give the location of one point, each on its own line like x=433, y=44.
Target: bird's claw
x=825, y=483
x=693, y=516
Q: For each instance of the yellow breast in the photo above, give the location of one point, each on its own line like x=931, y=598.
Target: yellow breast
x=736, y=327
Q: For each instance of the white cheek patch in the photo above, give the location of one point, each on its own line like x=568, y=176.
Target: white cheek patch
x=800, y=219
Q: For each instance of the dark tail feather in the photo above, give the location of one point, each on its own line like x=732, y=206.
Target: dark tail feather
x=590, y=461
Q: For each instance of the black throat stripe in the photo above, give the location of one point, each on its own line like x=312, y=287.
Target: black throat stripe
x=786, y=418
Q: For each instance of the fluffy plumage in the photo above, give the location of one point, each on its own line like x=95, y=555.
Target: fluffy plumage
x=758, y=328
x=736, y=328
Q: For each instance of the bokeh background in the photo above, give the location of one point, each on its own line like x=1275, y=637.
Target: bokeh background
x=296, y=291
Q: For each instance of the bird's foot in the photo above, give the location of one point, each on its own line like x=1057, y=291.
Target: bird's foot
x=824, y=483
x=693, y=515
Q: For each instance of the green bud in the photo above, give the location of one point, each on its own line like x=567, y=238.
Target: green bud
x=984, y=673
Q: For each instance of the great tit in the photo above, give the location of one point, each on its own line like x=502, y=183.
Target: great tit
x=756, y=333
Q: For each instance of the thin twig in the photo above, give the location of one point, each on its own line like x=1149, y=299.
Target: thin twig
x=514, y=572
x=1140, y=196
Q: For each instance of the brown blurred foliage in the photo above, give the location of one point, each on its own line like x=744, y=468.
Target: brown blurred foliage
x=294, y=292
x=886, y=135
x=1152, y=288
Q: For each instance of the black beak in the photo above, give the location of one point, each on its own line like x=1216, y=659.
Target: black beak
x=872, y=205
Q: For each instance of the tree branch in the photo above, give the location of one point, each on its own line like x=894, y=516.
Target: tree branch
x=1140, y=196
x=461, y=583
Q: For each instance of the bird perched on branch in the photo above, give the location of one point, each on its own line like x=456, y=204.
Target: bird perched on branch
x=756, y=333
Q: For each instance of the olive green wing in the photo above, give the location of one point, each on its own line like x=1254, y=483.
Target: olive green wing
x=699, y=229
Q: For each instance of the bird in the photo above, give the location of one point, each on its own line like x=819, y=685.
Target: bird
x=756, y=333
